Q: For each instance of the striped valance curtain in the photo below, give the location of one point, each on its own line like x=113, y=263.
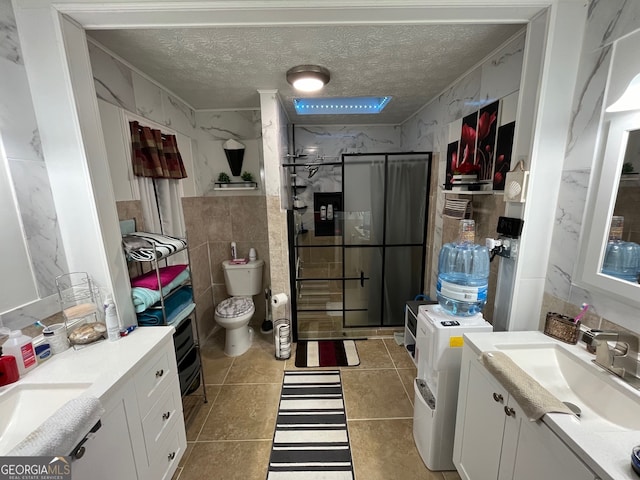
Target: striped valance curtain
x=155, y=154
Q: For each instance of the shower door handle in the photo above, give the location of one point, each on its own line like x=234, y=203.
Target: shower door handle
x=362, y=278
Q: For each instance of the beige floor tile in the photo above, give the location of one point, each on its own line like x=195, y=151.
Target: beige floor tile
x=407, y=375
x=215, y=363
x=243, y=412
x=399, y=354
x=258, y=365
x=196, y=411
x=384, y=449
x=176, y=474
x=375, y=394
x=373, y=354
x=451, y=475
x=228, y=461
x=187, y=452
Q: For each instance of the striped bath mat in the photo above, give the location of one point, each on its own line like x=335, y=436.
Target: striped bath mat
x=311, y=440
x=327, y=353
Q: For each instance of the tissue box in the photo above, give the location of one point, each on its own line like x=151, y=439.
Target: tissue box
x=562, y=328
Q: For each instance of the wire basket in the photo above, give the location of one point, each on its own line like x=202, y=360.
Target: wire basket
x=562, y=327
x=81, y=307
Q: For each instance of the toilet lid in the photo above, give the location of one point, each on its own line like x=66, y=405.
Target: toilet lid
x=234, y=307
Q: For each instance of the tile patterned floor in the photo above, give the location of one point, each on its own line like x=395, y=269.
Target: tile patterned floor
x=230, y=437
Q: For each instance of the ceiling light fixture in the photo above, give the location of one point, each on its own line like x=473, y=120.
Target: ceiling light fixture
x=308, y=78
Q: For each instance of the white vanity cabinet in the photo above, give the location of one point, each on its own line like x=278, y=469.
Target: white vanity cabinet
x=143, y=434
x=495, y=440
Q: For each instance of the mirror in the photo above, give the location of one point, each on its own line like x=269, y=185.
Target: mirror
x=617, y=193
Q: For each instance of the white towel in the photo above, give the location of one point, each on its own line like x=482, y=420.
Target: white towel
x=62, y=431
x=533, y=398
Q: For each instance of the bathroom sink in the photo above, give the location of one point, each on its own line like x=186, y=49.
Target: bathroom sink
x=605, y=404
x=24, y=407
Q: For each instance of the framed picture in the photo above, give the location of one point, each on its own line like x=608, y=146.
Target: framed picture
x=486, y=135
x=504, y=148
x=452, y=163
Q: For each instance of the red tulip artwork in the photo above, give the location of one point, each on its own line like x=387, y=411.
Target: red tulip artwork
x=468, y=140
x=486, y=134
x=452, y=163
x=504, y=147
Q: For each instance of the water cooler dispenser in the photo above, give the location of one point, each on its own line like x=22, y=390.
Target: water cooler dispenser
x=462, y=286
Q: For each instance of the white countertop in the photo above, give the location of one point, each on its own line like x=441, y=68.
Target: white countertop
x=105, y=365
x=607, y=453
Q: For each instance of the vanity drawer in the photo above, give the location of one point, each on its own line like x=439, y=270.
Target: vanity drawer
x=154, y=377
x=164, y=459
x=161, y=418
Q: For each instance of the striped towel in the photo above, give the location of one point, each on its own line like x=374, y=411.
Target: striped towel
x=160, y=246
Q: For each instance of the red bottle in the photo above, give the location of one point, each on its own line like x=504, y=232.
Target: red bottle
x=8, y=369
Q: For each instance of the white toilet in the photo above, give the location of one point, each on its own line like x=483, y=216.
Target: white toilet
x=234, y=314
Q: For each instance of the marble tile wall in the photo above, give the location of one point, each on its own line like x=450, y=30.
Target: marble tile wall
x=19, y=132
x=607, y=22
x=497, y=77
x=327, y=144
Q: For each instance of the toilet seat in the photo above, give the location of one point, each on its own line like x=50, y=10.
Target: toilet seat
x=234, y=307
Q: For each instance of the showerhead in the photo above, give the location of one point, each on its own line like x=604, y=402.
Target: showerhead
x=312, y=170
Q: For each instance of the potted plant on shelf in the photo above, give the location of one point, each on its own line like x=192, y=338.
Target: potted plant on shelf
x=223, y=180
x=247, y=177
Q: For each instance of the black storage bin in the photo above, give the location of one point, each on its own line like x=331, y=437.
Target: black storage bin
x=188, y=370
x=183, y=339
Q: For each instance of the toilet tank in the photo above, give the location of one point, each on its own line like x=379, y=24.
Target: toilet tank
x=243, y=280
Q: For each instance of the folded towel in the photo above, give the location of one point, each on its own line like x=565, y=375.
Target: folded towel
x=150, y=279
x=144, y=298
x=533, y=398
x=62, y=431
x=173, y=305
x=161, y=246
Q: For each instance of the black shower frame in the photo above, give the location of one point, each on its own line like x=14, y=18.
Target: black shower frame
x=293, y=247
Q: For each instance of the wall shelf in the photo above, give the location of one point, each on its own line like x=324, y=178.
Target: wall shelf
x=229, y=186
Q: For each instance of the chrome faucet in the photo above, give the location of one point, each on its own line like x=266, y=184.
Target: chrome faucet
x=622, y=359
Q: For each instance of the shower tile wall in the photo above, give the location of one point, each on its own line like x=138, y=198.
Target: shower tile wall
x=607, y=22
x=428, y=130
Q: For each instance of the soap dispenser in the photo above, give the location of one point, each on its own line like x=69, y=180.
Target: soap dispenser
x=8, y=369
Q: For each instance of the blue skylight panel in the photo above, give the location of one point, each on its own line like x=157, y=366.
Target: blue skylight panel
x=340, y=105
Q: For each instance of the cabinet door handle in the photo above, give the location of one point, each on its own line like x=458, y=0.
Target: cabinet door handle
x=165, y=416
x=498, y=397
x=171, y=456
x=509, y=411
x=159, y=373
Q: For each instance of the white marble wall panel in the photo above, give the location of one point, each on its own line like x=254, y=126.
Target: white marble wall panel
x=40, y=223
x=178, y=115
x=113, y=81
x=333, y=141
x=21, y=140
x=148, y=98
x=566, y=236
x=501, y=73
x=223, y=125
x=607, y=22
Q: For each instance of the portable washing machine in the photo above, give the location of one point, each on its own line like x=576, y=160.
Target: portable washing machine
x=438, y=353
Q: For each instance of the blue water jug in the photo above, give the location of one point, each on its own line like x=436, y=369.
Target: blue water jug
x=463, y=274
x=621, y=259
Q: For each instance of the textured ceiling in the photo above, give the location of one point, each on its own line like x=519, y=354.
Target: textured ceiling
x=223, y=67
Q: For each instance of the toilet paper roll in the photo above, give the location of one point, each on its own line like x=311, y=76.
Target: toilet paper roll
x=279, y=299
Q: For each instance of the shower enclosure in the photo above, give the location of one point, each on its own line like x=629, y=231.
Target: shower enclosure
x=357, y=235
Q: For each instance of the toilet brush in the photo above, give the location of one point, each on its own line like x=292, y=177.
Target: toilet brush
x=267, y=324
